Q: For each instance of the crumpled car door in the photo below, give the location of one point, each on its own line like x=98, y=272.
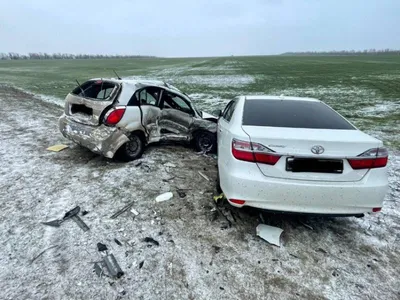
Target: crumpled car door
x=176, y=117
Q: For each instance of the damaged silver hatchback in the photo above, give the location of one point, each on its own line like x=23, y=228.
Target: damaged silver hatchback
x=115, y=117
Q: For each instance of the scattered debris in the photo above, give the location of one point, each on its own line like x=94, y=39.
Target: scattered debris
x=204, y=176
x=72, y=214
x=164, y=197
x=108, y=266
x=168, y=179
x=229, y=224
x=122, y=210
x=41, y=253
x=98, y=269
x=262, y=218
x=57, y=148
x=221, y=288
x=216, y=249
x=170, y=165
x=181, y=193
x=80, y=223
x=135, y=212
x=306, y=225
x=101, y=247
x=269, y=233
x=117, y=242
x=122, y=292
x=141, y=264
x=84, y=213
x=214, y=214
x=322, y=250
x=114, y=270
x=151, y=240
x=219, y=197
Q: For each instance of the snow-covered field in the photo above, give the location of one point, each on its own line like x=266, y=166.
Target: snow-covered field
x=199, y=255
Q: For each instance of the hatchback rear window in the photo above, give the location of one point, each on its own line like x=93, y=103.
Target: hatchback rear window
x=293, y=114
x=99, y=89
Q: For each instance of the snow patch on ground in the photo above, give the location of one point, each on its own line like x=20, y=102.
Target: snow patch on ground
x=208, y=102
x=337, y=93
x=216, y=80
x=343, y=258
x=380, y=109
x=45, y=98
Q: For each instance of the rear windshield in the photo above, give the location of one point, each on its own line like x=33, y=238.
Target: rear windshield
x=293, y=114
x=95, y=89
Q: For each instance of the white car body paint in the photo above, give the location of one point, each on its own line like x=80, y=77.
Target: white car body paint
x=272, y=187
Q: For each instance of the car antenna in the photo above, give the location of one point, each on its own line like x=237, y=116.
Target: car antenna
x=117, y=75
x=83, y=92
x=101, y=88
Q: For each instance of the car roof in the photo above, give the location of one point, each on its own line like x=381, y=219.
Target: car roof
x=140, y=82
x=281, y=97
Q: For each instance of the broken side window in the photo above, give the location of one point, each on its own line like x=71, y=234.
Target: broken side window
x=148, y=96
x=174, y=101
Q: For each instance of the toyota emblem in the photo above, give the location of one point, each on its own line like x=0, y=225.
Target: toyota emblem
x=317, y=149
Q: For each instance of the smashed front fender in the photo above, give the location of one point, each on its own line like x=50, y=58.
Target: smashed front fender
x=202, y=124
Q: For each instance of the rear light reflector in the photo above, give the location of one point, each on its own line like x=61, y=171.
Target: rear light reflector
x=236, y=201
x=115, y=116
x=376, y=209
x=373, y=158
x=253, y=152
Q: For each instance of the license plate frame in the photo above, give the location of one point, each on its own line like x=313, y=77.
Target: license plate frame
x=314, y=165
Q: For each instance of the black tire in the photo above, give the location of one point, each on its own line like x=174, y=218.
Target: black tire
x=205, y=141
x=131, y=150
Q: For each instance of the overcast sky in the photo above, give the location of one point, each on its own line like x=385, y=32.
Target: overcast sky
x=197, y=27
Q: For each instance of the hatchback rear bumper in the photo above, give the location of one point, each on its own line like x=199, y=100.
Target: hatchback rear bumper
x=287, y=195
x=99, y=139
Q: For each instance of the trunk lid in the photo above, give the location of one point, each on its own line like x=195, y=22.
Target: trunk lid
x=296, y=143
x=88, y=103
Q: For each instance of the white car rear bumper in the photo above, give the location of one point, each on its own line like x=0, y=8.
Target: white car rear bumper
x=244, y=181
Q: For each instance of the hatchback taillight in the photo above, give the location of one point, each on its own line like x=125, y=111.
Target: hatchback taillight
x=253, y=152
x=373, y=158
x=115, y=115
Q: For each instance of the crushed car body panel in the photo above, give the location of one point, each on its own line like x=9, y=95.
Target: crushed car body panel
x=100, y=139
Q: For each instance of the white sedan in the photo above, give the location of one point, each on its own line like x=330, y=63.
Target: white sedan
x=298, y=155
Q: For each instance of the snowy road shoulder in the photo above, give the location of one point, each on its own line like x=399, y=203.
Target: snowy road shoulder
x=200, y=254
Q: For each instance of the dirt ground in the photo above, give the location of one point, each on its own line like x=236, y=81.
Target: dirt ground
x=202, y=254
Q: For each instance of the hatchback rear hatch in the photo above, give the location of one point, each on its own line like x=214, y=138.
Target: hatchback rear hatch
x=88, y=103
x=307, y=140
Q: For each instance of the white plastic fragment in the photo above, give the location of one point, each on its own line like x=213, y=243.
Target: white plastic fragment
x=134, y=211
x=270, y=234
x=164, y=197
x=170, y=165
x=204, y=176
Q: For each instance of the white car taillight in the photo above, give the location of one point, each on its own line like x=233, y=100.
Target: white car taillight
x=114, y=115
x=372, y=158
x=253, y=152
